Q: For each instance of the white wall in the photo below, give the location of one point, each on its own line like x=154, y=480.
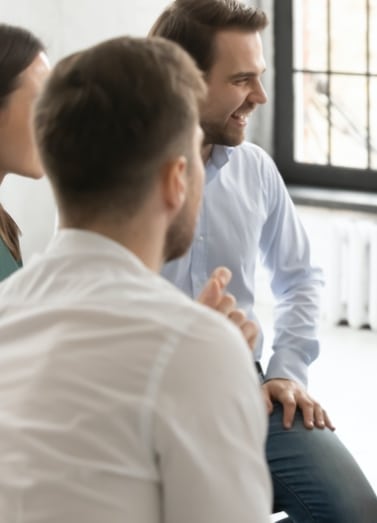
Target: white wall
x=65, y=26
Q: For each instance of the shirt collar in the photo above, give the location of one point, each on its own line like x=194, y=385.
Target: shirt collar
x=220, y=155
x=79, y=241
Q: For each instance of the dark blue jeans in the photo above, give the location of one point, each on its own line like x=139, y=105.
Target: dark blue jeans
x=315, y=478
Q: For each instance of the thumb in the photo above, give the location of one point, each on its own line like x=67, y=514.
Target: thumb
x=223, y=275
x=211, y=293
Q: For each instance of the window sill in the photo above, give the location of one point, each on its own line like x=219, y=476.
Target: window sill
x=333, y=198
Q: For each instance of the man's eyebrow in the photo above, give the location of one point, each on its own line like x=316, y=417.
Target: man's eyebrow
x=245, y=74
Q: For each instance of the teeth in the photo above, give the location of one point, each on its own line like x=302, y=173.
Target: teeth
x=240, y=116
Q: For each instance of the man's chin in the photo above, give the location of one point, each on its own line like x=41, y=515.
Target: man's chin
x=234, y=141
x=174, y=255
x=177, y=248
x=235, y=137
x=228, y=139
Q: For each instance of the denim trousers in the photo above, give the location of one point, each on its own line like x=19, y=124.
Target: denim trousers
x=315, y=478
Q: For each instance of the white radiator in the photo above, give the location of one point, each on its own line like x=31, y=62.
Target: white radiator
x=351, y=286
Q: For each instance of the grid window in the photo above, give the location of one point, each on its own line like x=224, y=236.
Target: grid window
x=326, y=99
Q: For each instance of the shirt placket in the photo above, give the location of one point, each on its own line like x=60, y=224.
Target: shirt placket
x=199, y=274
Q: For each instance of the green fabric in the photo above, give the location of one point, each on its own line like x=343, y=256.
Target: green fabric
x=7, y=263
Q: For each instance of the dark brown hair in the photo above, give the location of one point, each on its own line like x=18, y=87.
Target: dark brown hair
x=18, y=49
x=193, y=24
x=109, y=116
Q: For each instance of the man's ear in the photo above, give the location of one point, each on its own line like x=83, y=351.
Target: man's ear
x=174, y=183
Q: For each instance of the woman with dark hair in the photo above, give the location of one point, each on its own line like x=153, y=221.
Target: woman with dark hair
x=23, y=69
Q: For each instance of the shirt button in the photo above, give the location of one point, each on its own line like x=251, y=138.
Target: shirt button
x=201, y=237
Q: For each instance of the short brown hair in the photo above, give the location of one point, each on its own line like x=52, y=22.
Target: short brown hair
x=193, y=24
x=110, y=116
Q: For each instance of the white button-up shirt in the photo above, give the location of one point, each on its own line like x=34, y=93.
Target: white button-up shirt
x=121, y=400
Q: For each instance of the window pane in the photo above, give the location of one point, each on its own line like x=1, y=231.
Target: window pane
x=373, y=122
x=348, y=43
x=311, y=118
x=348, y=102
x=373, y=36
x=310, y=37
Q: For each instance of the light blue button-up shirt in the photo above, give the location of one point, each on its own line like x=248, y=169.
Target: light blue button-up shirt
x=247, y=210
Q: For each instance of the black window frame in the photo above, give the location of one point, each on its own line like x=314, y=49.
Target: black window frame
x=293, y=172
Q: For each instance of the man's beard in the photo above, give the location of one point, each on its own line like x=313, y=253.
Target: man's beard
x=222, y=133
x=180, y=234
x=219, y=135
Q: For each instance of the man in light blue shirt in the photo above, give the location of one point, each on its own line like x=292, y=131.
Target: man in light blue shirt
x=246, y=210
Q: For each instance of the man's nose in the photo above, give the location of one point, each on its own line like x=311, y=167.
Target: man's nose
x=258, y=94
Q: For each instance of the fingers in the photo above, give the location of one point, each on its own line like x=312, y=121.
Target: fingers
x=328, y=422
x=319, y=416
x=284, y=391
x=293, y=396
x=250, y=332
x=238, y=316
x=289, y=409
x=222, y=275
x=212, y=292
x=314, y=415
x=213, y=296
x=309, y=413
x=227, y=305
x=248, y=327
x=312, y=412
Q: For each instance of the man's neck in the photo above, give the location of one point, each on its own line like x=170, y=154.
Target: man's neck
x=206, y=152
x=146, y=244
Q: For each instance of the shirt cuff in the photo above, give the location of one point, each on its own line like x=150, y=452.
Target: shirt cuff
x=288, y=364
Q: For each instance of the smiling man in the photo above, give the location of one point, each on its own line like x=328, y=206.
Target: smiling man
x=247, y=211
x=236, y=88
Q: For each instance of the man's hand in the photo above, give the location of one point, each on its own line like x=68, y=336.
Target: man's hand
x=292, y=396
x=214, y=296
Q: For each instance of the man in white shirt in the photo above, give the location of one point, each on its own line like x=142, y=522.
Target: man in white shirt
x=121, y=399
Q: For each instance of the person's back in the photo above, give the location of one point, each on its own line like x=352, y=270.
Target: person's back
x=107, y=412
x=105, y=395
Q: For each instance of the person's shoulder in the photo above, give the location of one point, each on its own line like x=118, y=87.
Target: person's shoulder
x=200, y=321
x=182, y=305
x=252, y=166
x=251, y=156
x=17, y=279
x=251, y=150
x=251, y=147
x=206, y=344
